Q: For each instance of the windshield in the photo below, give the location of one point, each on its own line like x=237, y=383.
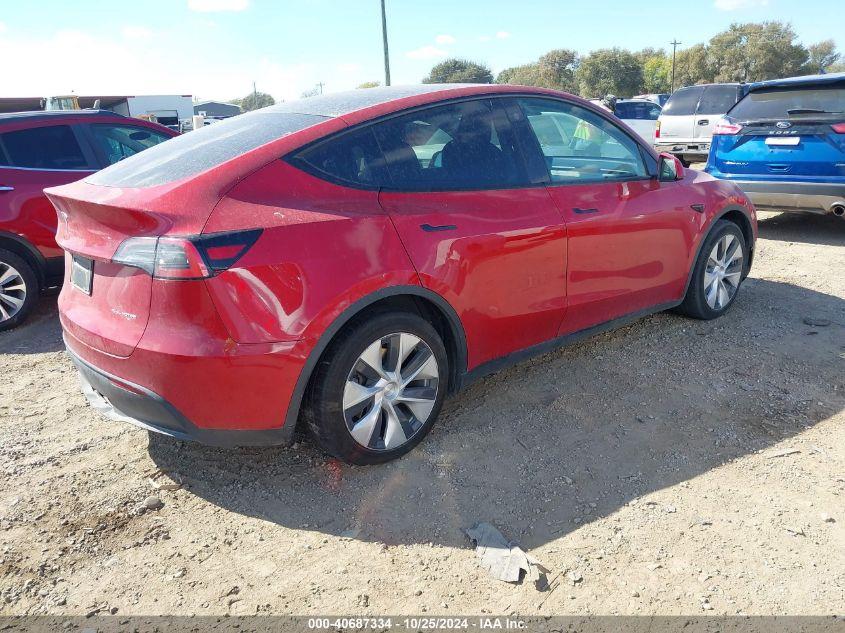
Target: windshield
x=783, y=103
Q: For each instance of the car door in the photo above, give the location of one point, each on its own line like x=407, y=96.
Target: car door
x=628, y=234
x=715, y=101
x=34, y=157
x=476, y=229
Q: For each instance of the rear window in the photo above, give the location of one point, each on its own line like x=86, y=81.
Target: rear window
x=683, y=101
x=50, y=147
x=717, y=99
x=782, y=103
x=200, y=150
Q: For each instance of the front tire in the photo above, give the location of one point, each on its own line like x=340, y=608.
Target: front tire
x=378, y=389
x=718, y=273
x=18, y=290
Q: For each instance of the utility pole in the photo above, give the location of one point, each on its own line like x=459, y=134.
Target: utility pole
x=254, y=92
x=384, y=38
x=320, y=85
x=674, y=44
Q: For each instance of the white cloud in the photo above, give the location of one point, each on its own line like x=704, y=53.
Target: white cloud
x=502, y=35
x=735, y=5
x=484, y=38
x=136, y=32
x=444, y=39
x=213, y=6
x=426, y=52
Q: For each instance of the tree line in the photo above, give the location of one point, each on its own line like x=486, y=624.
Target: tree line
x=743, y=53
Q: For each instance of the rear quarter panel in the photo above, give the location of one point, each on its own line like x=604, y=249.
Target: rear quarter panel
x=323, y=247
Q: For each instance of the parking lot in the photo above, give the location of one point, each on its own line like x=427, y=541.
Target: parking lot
x=673, y=466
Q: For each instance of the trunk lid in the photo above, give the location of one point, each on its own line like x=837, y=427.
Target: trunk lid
x=802, y=149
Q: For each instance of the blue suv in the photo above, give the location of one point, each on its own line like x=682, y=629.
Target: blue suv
x=784, y=144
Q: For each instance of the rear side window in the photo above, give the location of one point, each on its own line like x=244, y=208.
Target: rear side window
x=638, y=110
x=683, y=101
x=717, y=99
x=353, y=158
x=200, y=150
x=462, y=146
x=117, y=142
x=48, y=147
x=790, y=102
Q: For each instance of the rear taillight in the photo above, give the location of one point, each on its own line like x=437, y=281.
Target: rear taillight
x=657, y=130
x=725, y=127
x=185, y=258
x=839, y=128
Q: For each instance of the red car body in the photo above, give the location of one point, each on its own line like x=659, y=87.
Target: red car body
x=28, y=220
x=503, y=272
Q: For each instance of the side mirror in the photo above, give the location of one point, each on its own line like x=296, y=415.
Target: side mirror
x=669, y=168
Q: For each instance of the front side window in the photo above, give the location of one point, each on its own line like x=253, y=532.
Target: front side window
x=121, y=141
x=48, y=147
x=461, y=146
x=578, y=145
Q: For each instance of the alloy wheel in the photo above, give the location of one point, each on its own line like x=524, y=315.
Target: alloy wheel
x=723, y=272
x=390, y=392
x=12, y=291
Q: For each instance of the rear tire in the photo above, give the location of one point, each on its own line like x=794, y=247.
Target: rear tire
x=718, y=273
x=18, y=289
x=378, y=388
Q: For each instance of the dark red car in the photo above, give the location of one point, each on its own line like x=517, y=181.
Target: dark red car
x=349, y=260
x=44, y=149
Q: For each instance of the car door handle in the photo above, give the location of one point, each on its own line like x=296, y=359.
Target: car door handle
x=6, y=188
x=582, y=211
x=428, y=228
x=704, y=122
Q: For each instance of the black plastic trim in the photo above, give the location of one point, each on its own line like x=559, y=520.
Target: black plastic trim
x=148, y=410
x=34, y=256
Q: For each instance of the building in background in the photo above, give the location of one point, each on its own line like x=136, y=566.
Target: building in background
x=216, y=109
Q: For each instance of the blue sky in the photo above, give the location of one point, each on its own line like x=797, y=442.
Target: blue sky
x=216, y=48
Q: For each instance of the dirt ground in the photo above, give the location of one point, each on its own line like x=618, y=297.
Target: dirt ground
x=670, y=467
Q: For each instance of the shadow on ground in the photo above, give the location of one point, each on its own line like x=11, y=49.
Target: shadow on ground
x=41, y=332
x=563, y=439
x=803, y=227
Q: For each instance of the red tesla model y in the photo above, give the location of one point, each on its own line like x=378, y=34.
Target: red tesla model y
x=348, y=261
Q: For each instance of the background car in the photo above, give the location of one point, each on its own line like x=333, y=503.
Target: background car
x=689, y=116
x=348, y=260
x=784, y=144
x=44, y=149
x=659, y=98
x=641, y=115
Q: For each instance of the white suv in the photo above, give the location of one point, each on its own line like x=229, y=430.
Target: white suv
x=688, y=118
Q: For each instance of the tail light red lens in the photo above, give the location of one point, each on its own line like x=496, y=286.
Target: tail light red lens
x=839, y=128
x=657, y=130
x=725, y=127
x=185, y=258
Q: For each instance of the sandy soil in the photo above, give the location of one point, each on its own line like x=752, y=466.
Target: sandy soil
x=670, y=467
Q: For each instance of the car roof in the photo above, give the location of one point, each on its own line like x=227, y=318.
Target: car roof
x=638, y=100
x=788, y=82
x=37, y=115
x=341, y=103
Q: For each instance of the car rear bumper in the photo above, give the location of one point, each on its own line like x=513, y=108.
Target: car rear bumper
x=810, y=197
x=239, y=398
x=698, y=150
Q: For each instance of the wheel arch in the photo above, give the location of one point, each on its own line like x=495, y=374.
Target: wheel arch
x=23, y=249
x=739, y=216
x=428, y=304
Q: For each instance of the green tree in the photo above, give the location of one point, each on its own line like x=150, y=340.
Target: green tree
x=369, y=84
x=692, y=66
x=756, y=51
x=457, y=71
x=254, y=100
x=556, y=69
x=823, y=56
x=609, y=71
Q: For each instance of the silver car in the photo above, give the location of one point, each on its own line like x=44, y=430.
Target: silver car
x=686, y=123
